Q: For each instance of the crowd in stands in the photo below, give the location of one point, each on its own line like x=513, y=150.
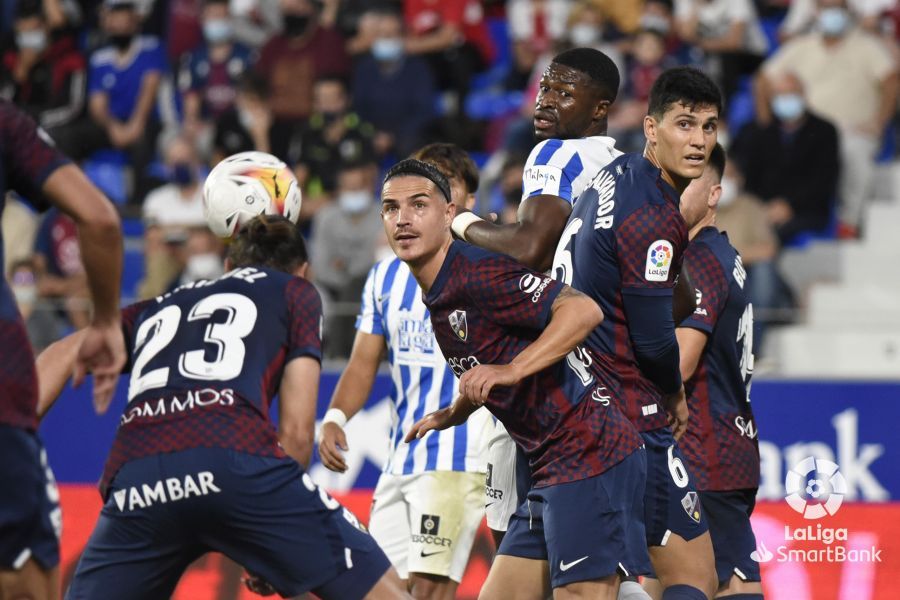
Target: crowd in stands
x=148, y=94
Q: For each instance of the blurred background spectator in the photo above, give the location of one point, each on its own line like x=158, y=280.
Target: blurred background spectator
x=173, y=214
x=44, y=73
x=123, y=81
x=728, y=31
x=248, y=124
x=292, y=60
x=792, y=163
x=393, y=90
x=345, y=233
x=850, y=78
x=210, y=72
x=334, y=135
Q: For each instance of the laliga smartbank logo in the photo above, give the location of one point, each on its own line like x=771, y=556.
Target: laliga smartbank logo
x=815, y=488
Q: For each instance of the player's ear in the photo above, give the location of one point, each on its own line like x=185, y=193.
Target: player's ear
x=650, y=129
x=450, y=213
x=301, y=270
x=601, y=109
x=715, y=193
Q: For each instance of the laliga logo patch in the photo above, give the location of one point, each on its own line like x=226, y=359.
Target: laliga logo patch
x=691, y=504
x=823, y=484
x=458, y=324
x=659, y=260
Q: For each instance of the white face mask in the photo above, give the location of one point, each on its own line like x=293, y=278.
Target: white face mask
x=32, y=40
x=354, y=202
x=729, y=191
x=203, y=266
x=583, y=34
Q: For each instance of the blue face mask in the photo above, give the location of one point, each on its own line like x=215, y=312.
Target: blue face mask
x=833, y=21
x=217, y=30
x=183, y=174
x=387, y=49
x=788, y=107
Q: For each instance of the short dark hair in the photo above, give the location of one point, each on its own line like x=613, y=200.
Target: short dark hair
x=717, y=161
x=269, y=241
x=419, y=168
x=452, y=161
x=27, y=9
x=600, y=68
x=683, y=85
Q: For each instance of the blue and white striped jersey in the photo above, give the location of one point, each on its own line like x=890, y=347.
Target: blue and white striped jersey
x=422, y=382
x=565, y=167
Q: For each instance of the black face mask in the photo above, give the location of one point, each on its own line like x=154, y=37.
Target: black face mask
x=121, y=41
x=296, y=25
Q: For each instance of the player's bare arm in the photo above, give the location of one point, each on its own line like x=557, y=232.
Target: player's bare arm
x=451, y=416
x=532, y=240
x=102, y=350
x=54, y=367
x=297, y=408
x=691, y=343
x=349, y=397
x=573, y=316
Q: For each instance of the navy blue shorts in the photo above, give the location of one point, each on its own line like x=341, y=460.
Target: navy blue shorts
x=671, y=502
x=30, y=517
x=728, y=515
x=165, y=511
x=586, y=529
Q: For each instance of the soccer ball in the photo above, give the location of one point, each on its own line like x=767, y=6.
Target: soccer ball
x=245, y=185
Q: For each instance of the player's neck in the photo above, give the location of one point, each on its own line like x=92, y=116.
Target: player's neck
x=679, y=183
x=708, y=221
x=426, y=270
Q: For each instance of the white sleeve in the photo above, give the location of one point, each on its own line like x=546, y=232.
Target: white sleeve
x=551, y=168
x=369, y=319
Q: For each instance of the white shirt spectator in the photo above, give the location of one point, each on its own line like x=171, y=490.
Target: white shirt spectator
x=716, y=17
x=167, y=207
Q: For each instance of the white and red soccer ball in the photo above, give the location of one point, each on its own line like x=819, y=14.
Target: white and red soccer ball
x=246, y=185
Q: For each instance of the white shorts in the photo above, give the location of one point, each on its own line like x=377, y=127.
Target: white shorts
x=500, y=497
x=426, y=523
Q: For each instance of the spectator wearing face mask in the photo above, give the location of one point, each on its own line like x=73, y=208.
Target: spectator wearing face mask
x=171, y=213
x=792, y=163
x=209, y=75
x=849, y=78
x=248, y=124
x=743, y=217
x=345, y=234
x=292, y=61
x=42, y=74
x=334, y=135
x=392, y=90
x=123, y=81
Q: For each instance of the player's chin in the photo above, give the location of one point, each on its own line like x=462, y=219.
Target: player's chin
x=691, y=169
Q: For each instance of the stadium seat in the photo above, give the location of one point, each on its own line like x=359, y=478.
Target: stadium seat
x=804, y=351
x=107, y=170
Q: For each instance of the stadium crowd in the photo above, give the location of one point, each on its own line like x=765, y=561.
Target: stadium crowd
x=147, y=96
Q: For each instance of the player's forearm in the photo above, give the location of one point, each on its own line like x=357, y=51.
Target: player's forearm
x=574, y=316
x=521, y=240
x=354, y=386
x=652, y=331
x=54, y=366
